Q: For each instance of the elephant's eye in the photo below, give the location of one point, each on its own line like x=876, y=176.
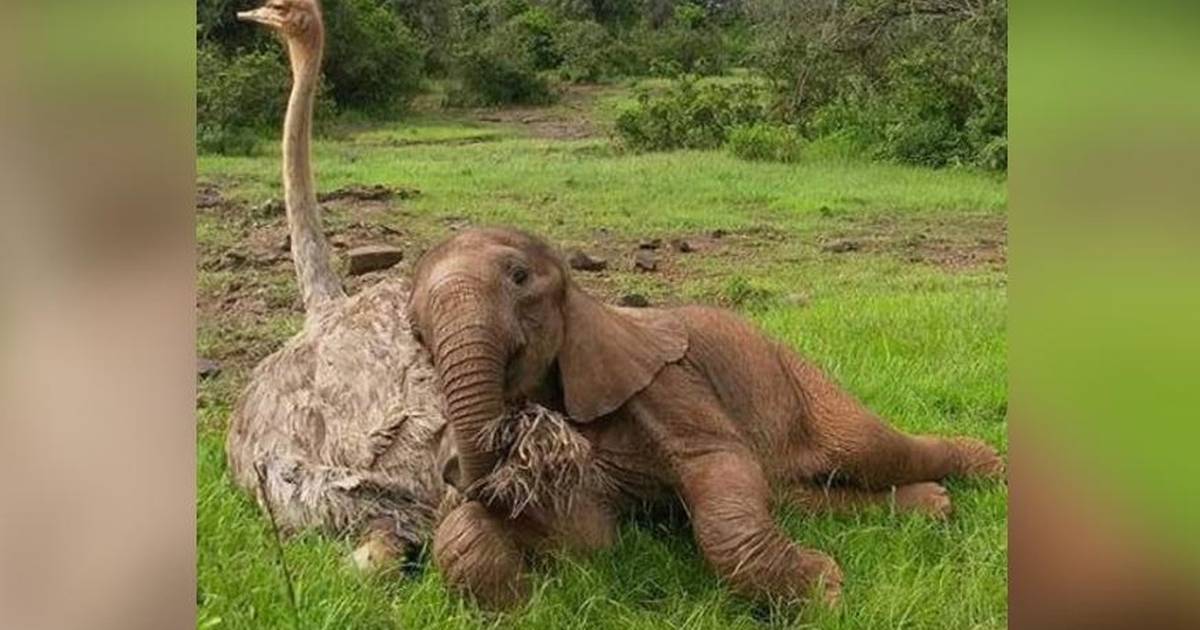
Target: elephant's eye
x=519, y=275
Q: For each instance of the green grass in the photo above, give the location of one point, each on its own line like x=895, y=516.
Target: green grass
x=921, y=343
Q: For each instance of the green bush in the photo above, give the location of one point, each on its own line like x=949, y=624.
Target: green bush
x=534, y=31
x=493, y=74
x=765, y=142
x=676, y=49
x=237, y=97
x=501, y=57
x=241, y=98
x=927, y=87
x=689, y=115
x=372, y=60
x=586, y=52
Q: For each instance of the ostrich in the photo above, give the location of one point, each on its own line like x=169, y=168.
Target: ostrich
x=342, y=429
x=338, y=429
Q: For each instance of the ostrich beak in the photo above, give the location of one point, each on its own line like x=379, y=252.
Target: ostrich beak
x=261, y=15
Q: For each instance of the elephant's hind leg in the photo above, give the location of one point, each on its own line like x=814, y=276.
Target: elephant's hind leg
x=928, y=498
x=877, y=457
x=851, y=441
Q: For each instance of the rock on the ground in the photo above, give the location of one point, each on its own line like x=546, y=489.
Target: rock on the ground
x=234, y=260
x=653, y=243
x=207, y=368
x=644, y=260
x=271, y=207
x=841, y=247
x=682, y=246
x=456, y=223
x=718, y=233
x=635, y=300
x=370, y=258
x=208, y=196
x=581, y=261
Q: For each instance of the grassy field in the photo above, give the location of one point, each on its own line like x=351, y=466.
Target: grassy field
x=892, y=278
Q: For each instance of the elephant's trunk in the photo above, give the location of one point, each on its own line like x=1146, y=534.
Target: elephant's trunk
x=470, y=361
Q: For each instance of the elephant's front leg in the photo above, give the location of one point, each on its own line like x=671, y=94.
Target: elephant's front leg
x=479, y=556
x=481, y=553
x=728, y=499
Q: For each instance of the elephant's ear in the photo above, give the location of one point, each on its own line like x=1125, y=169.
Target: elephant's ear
x=609, y=354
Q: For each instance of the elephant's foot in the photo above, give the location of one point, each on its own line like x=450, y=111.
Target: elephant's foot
x=975, y=458
x=928, y=498
x=820, y=577
x=380, y=550
x=789, y=574
x=479, y=557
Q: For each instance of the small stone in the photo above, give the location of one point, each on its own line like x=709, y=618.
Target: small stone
x=208, y=196
x=207, y=368
x=718, y=233
x=653, y=243
x=234, y=260
x=271, y=207
x=644, y=260
x=635, y=300
x=373, y=258
x=682, y=246
x=583, y=262
x=456, y=223
x=841, y=247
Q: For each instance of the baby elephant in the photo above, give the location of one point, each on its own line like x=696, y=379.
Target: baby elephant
x=689, y=402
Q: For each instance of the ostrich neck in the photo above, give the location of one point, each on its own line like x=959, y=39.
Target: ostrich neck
x=318, y=282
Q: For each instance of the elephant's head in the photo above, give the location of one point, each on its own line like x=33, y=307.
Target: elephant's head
x=504, y=323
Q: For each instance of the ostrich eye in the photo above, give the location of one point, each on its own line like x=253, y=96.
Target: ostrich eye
x=519, y=275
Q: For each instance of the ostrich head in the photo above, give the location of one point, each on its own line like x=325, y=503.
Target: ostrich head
x=298, y=21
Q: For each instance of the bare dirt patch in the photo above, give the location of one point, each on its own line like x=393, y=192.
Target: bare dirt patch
x=372, y=192
x=568, y=119
x=678, y=259
x=953, y=243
